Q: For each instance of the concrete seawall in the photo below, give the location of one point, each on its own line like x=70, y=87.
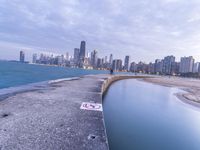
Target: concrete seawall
x=54, y=117
x=110, y=79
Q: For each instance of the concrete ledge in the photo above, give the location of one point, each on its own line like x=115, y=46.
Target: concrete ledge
x=51, y=118
x=114, y=78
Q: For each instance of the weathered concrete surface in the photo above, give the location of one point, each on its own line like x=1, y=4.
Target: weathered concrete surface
x=51, y=118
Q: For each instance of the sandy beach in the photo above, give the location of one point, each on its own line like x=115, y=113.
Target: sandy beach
x=191, y=86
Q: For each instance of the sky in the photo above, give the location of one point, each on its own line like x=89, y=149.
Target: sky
x=143, y=29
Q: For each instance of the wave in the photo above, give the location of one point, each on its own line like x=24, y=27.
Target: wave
x=63, y=79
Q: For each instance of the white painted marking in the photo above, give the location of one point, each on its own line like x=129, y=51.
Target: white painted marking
x=91, y=106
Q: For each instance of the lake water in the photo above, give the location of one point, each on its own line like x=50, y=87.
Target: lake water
x=14, y=74
x=144, y=116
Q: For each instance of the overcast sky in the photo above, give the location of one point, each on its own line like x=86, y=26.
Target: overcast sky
x=143, y=29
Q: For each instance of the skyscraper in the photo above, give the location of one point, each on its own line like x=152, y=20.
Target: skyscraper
x=133, y=67
x=126, y=63
x=186, y=64
x=196, y=67
x=106, y=59
x=22, y=57
x=111, y=59
x=158, y=66
x=94, y=58
x=175, y=68
x=67, y=56
x=151, y=68
x=82, y=49
x=167, y=64
x=117, y=65
x=82, y=54
x=99, y=63
x=34, y=58
x=60, y=60
x=76, y=55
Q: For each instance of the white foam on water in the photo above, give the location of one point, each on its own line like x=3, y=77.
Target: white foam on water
x=63, y=79
x=7, y=92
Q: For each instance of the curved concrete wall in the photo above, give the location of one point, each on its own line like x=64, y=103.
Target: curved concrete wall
x=114, y=78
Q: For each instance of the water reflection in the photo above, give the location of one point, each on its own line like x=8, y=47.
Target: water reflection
x=144, y=116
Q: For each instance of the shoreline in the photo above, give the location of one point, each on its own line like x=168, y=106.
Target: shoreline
x=191, y=88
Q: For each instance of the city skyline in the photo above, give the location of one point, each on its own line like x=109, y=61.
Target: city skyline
x=143, y=29
x=82, y=52
x=29, y=56
x=168, y=65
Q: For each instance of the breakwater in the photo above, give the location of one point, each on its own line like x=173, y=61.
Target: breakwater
x=62, y=115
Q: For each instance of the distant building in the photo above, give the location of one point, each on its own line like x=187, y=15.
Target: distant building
x=111, y=59
x=67, y=56
x=22, y=57
x=34, y=60
x=126, y=63
x=142, y=67
x=151, y=68
x=167, y=64
x=133, y=67
x=60, y=60
x=117, y=65
x=82, y=53
x=76, y=56
x=99, y=63
x=82, y=49
x=196, y=67
x=175, y=68
x=158, y=66
x=199, y=68
x=94, y=58
x=186, y=64
x=106, y=59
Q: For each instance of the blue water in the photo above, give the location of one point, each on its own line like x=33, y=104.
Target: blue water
x=144, y=116
x=14, y=74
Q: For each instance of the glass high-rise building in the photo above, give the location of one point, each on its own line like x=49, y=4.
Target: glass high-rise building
x=186, y=64
x=76, y=55
x=34, y=58
x=117, y=65
x=167, y=64
x=126, y=63
x=82, y=49
x=22, y=56
x=94, y=58
x=82, y=53
x=111, y=59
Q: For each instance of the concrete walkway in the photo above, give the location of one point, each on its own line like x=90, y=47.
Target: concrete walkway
x=51, y=118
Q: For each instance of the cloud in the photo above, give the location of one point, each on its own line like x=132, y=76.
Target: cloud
x=122, y=27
